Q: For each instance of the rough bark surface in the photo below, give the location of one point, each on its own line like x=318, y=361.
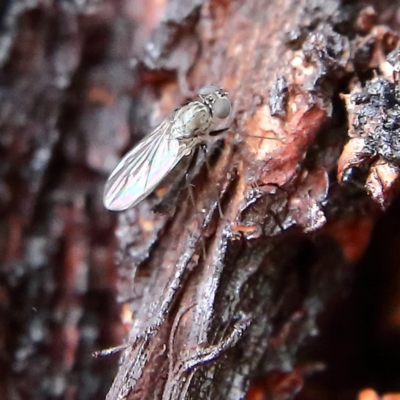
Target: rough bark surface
x=216, y=300
x=218, y=305
x=62, y=99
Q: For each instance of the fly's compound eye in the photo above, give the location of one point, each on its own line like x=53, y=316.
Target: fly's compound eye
x=221, y=107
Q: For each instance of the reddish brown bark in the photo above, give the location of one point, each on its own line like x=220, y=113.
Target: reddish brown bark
x=217, y=306
x=244, y=305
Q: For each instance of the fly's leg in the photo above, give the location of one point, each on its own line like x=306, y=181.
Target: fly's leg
x=192, y=199
x=205, y=150
x=218, y=132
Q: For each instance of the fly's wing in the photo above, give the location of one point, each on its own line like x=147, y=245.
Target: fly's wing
x=143, y=168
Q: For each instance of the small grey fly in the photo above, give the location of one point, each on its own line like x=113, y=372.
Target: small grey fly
x=143, y=168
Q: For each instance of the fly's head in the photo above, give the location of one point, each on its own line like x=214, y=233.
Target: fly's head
x=217, y=100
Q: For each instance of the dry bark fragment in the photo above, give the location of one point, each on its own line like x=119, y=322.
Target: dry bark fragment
x=373, y=148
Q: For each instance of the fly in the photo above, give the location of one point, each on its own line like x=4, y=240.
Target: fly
x=144, y=167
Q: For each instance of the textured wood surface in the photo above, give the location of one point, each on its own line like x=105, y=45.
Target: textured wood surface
x=240, y=304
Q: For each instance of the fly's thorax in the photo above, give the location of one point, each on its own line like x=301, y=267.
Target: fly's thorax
x=192, y=120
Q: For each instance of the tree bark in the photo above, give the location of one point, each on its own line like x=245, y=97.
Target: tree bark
x=225, y=291
x=219, y=300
